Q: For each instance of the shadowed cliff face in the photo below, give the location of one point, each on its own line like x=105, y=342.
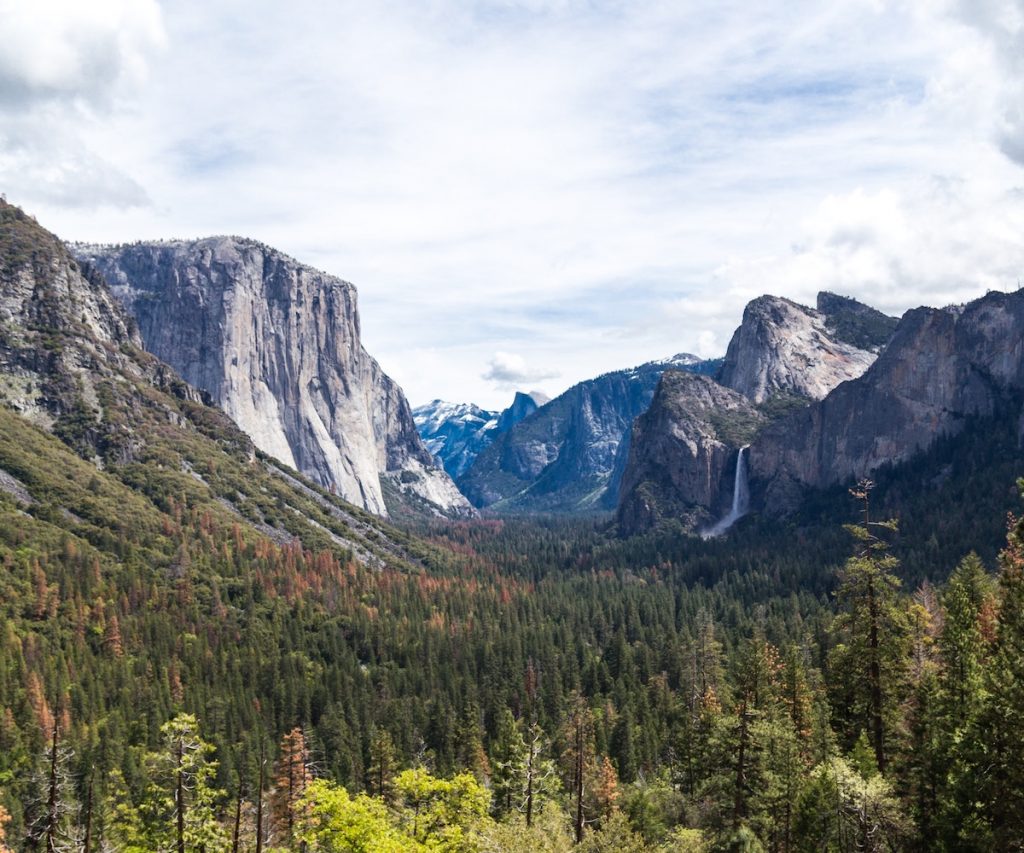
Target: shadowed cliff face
x=683, y=453
x=276, y=344
x=940, y=367
x=568, y=456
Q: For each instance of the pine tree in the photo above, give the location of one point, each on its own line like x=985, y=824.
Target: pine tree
x=968, y=599
x=508, y=766
x=996, y=742
x=870, y=658
x=383, y=765
x=179, y=808
x=292, y=776
x=580, y=764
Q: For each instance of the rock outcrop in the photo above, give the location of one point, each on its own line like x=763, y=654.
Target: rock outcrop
x=569, y=455
x=276, y=344
x=941, y=367
x=683, y=453
x=783, y=348
x=67, y=349
x=456, y=433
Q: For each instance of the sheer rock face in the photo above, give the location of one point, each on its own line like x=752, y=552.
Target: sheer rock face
x=941, y=366
x=276, y=344
x=785, y=348
x=683, y=453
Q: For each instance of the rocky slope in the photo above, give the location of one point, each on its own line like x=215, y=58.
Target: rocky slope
x=276, y=344
x=683, y=453
x=782, y=348
x=64, y=340
x=107, y=443
x=456, y=433
x=941, y=367
x=569, y=455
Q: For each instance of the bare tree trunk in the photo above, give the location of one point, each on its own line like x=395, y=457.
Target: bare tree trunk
x=259, y=802
x=529, y=781
x=87, y=843
x=739, y=803
x=238, y=820
x=578, y=781
x=179, y=795
x=52, y=799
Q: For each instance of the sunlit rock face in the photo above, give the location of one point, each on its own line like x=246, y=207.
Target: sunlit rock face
x=276, y=344
x=782, y=347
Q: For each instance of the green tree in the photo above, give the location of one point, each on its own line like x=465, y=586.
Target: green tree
x=995, y=740
x=332, y=821
x=870, y=657
x=840, y=810
x=383, y=765
x=443, y=814
x=508, y=766
x=178, y=809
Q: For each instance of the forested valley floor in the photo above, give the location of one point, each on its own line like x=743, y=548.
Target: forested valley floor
x=171, y=680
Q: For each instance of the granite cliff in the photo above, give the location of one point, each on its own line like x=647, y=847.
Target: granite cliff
x=784, y=348
x=277, y=345
x=941, y=367
x=683, y=453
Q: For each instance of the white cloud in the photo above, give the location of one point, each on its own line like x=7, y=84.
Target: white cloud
x=70, y=49
x=594, y=184
x=64, y=65
x=509, y=372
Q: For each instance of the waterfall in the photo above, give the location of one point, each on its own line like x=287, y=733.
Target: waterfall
x=740, y=498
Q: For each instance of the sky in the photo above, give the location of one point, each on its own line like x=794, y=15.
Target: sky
x=527, y=193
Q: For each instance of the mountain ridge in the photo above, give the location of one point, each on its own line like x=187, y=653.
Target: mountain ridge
x=456, y=433
x=569, y=455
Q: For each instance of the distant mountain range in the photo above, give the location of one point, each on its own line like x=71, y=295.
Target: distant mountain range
x=568, y=456
x=456, y=433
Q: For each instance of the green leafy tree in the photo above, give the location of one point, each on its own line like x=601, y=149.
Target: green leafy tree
x=332, y=821
x=443, y=814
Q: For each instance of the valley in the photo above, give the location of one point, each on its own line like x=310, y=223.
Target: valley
x=244, y=604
